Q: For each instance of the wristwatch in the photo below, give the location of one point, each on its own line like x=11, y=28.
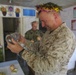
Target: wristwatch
x=20, y=53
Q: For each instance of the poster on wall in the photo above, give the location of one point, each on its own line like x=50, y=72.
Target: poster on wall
x=73, y=25
x=74, y=12
x=3, y=10
x=10, y=10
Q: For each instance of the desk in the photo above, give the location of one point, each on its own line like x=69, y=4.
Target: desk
x=4, y=67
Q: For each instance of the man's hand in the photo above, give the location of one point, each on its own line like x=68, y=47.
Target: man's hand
x=32, y=41
x=14, y=47
x=38, y=38
x=22, y=39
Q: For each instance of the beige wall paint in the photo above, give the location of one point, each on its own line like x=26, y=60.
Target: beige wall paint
x=1, y=36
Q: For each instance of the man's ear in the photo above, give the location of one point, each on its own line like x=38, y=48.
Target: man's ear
x=55, y=15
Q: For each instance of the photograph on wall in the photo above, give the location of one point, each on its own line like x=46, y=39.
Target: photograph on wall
x=74, y=12
x=73, y=25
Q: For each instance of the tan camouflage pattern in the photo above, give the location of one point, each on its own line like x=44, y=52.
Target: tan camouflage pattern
x=51, y=55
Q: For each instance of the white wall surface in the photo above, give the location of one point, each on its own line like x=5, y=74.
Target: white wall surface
x=67, y=16
x=1, y=36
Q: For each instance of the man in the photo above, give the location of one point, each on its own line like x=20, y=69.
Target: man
x=51, y=55
x=33, y=34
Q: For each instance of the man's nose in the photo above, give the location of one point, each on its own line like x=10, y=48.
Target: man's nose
x=43, y=25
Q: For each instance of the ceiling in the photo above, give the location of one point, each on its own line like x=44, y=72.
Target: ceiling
x=32, y=3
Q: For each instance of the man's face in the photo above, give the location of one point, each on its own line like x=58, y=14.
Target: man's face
x=47, y=20
x=34, y=26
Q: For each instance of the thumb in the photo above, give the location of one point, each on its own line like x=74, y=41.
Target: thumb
x=14, y=42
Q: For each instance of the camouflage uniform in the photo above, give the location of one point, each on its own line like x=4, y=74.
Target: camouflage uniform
x=32, y=35
x=51, y=55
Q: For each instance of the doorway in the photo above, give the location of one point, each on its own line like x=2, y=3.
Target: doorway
x=10, y=25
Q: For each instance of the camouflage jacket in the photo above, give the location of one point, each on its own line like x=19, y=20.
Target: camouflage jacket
x=51, y=55
x=32, y=35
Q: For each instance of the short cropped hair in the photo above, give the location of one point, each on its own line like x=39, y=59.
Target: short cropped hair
x=33, y=22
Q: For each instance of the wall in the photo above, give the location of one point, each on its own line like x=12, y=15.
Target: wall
x=67, y=16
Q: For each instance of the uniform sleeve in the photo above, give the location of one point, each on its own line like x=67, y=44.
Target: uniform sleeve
x=26, y=35
x=51, y=57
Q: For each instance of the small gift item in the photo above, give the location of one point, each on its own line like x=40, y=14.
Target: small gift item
x=13, y=68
